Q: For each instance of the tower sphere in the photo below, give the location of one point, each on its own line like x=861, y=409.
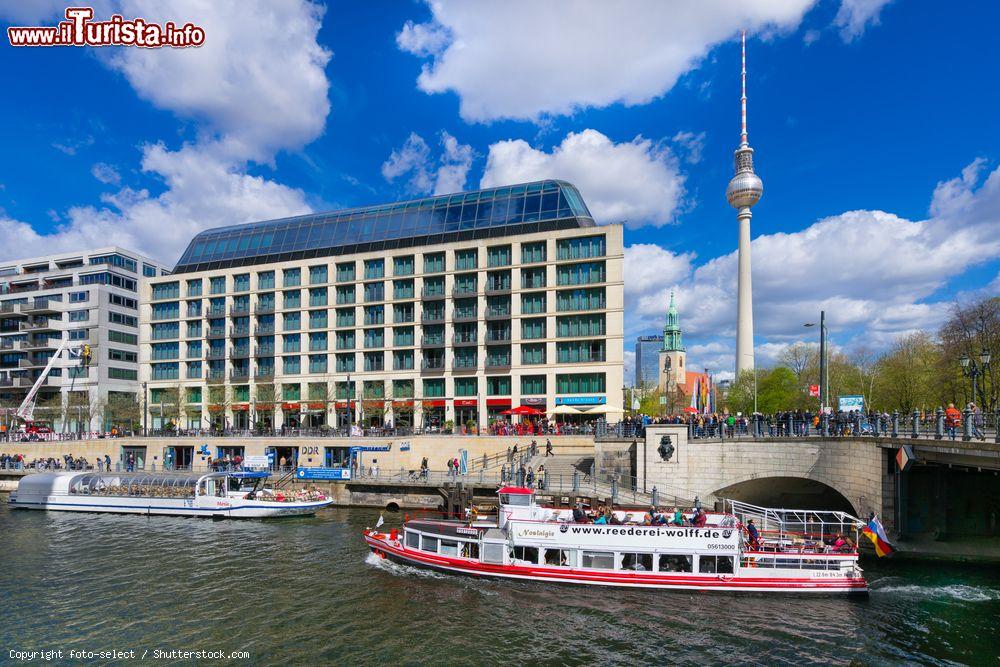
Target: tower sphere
x=744, y=190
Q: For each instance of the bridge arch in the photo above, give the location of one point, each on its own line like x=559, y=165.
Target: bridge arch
x=788, y=492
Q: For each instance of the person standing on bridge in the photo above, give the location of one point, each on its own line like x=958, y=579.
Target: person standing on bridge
x=952, y=420
x=976, y=417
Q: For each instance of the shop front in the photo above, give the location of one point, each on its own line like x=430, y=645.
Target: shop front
x=314, y=415
x=291, y=416
x=178, y=457
x=373, y=413
x=433, y=413
x=345, y=413
x=580, y=409
x=402, y=414
x=495, y=408
x=241, y=416
x=466, y=414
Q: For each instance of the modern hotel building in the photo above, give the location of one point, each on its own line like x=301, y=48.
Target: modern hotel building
x=448, y=308
x=91, y=296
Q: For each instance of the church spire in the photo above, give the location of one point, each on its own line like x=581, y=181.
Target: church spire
x=672, y=329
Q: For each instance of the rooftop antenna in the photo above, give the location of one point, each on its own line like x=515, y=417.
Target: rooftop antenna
x=743, y=99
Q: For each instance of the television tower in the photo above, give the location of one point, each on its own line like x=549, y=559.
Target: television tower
x=744, y=191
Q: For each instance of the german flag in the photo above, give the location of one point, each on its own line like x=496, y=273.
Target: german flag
x=876, y=533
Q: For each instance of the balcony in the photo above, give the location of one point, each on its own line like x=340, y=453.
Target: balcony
x=460, y=365
x=264, y=373
x=216, y=353
x=533, y=284
x=217, y=332
x=464, y=339
x=38, y=343
x=240, y=331
x=41, y=306
x=493, y=289
x=432, y=341
x=495, y=313
x=264, y=329
x=240, y=375
x=470, y=315
x=463, y=290
x=432, y=293
x=241, y=352
x=36, y=324
x=239, y=310
x=498, y=363
x=264, y=351
x=432, y=317
x=264, y=307
x=498, y=336
x=435, y=365
x=215, y=311
x=215, y=377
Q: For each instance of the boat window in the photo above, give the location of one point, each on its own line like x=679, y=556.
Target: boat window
x=448, y=548
x=675, y=563
x=529, y=554
x=429, y=544
x=412, y=539
x=715, y=564
x=637, y=562
x=493, y=552
x=560, y=557
x=470, y=550
x=516, y=499
x=599, y=559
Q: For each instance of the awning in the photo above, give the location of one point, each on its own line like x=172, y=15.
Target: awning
x=466, y=402
x=599, y=410
x=434, y=403
x=564, y=410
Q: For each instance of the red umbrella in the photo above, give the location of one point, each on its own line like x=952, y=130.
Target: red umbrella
x=507, y=412
x=691, y=410
x=525, y=410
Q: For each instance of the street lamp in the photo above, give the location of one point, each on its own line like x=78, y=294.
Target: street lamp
x=823, y=379
x=971, y=369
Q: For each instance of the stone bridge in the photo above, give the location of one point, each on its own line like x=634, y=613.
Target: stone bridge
x=857, y=475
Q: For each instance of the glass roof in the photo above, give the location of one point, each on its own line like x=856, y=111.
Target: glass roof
x=324, y=233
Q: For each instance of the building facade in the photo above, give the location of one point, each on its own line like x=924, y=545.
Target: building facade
x=647, y=360
x=92, y=297
x=445, y=309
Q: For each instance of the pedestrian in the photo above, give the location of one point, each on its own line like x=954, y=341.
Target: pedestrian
x=952, y=420
x=107, y=462
x=450, y=468
x=548, y=447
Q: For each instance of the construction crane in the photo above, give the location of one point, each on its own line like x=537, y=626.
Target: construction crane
x=80, y=350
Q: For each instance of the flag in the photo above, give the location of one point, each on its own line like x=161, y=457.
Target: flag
x=381, y=520
x=814, y=390
x=876, y=533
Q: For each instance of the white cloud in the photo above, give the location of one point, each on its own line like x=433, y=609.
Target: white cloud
x=106, y=173
x=448, y=173
x=249, y=97
x=854, y=16
x=524, y=59
x=637, y=180
x=691, y=144
x=875, y=274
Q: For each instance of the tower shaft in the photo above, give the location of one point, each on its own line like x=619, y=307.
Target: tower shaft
x=744, y=297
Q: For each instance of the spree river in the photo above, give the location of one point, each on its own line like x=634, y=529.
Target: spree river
x=306, y=591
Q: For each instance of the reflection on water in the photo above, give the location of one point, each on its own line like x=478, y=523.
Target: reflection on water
x=306, y=591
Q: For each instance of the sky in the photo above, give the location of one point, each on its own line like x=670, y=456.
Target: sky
x=874, y=124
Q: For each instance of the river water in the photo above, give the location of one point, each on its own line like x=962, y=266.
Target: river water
x=305, y=591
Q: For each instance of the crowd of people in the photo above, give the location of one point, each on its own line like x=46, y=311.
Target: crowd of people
x=66, y=462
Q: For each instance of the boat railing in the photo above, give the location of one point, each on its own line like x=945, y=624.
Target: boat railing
x=791, y=526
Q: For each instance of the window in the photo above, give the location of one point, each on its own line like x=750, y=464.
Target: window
x=122, y=373
x=241, y=282
x=291, y=365
x=402, y=266
x=571, y=326
x=79, y=315
x=402, y=289
x=291, y=343
x=412, y=540
x=580, y=299
x=465, y=283
x=374, y=292
x=78, y=334
x=428, y=544
x=317, y=341
x=498, y=256
x=317, y=275
x=345, y=340
x=107, y=278
x=498, y=355
x=402, y=360
x=194, y=287
x=148, y=271
x=345, y=317
x=194, y=329
x=374, y=338
x=675, y=563
x=433, y=286
x=580, y=351
x=122, y=355
x=126, y=320
x=217, y=285
x=498, y=386
x=533, y=354
x=466, y=260
x=317, y=297
x=166, y=371
x=434, y=388
x=465, y=309
x=292, y=299
x=126, y=263
x=585, y=273
x=402, y=336
x=291, y=321
x=465, y=357
x=194, y=394
x=434, y=262
x=317, y=319
x=533, y=278
x=170, y=290
x=580, y=383
x=465, y=387
x=265, y=280
x=291, y=277
x=345, y=272
x=581, y=248
x=165, y=331
x=402, y=388
x=376, y=315
x=560, y=557
x=121, y=337
x=345, y=294
x=715, y=564
x=637, y=562
x=345, y=363
x=533, y=384
x=162, y=351
x=317, y=363
x=374, y=268
x=194, y=349
x=604, y=560
x=533, y=252
x=498, y=281
x=533, y=303
x=194, y=308
x=168, y=310
x=533, y=328
x=291, y=392
x=79, y=297
x=529, y=554
x=402, y=312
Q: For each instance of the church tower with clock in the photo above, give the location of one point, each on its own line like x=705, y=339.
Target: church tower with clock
x=673, y=373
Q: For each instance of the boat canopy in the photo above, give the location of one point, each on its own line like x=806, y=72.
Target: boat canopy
x=250, y=474
x=516, y=490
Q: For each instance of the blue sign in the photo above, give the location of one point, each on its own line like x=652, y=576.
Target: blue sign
x=323, y=473
x=852, y=403
x=581, y=400
x=370, y=448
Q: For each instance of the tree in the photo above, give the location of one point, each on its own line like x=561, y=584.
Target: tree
x=265, y=396
x=970, y=330
x=777, y=390
x=799, y=357
x=123, y=412
x=740, y=398
x=907, y=375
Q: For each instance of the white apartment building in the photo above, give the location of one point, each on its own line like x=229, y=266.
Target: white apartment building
x=91, y=296
x=452, y=308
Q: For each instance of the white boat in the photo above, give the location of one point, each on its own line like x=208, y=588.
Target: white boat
x=225, y=495
x=793, y=552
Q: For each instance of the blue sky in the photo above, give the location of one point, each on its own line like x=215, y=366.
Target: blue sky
x=874, y=124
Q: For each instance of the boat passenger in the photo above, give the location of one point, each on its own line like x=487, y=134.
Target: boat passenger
x=678, y=517
x=754, y=536
x=579, y=516
x=613, y=518
x=601, y=516
x=647, y=519
x=700, y=519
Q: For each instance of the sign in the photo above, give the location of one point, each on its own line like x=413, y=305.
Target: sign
x=465, y=402
x=371, y=448
x=663, y=401
x=534, y=400
x=851, y=403
x=290, y=406
x=711, y=539
x=635, y=402
x=814, y=390
x=498, y=402
x=581, y=400
x=262, y=461
x=434, y=403
x=323, y=473
x=905, y=458
x=404, y=446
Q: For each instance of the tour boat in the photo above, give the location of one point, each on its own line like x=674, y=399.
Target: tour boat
x=792, y=553
x=224, y=495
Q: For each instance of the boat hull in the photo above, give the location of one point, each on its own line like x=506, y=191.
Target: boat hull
x=382, y=546
x=235, y=509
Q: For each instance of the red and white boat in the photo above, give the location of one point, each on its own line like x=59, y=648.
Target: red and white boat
x=794, y=551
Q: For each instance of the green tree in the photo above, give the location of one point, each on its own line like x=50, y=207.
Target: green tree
x=740, y=398
x=906, y=375
x=777, y=389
